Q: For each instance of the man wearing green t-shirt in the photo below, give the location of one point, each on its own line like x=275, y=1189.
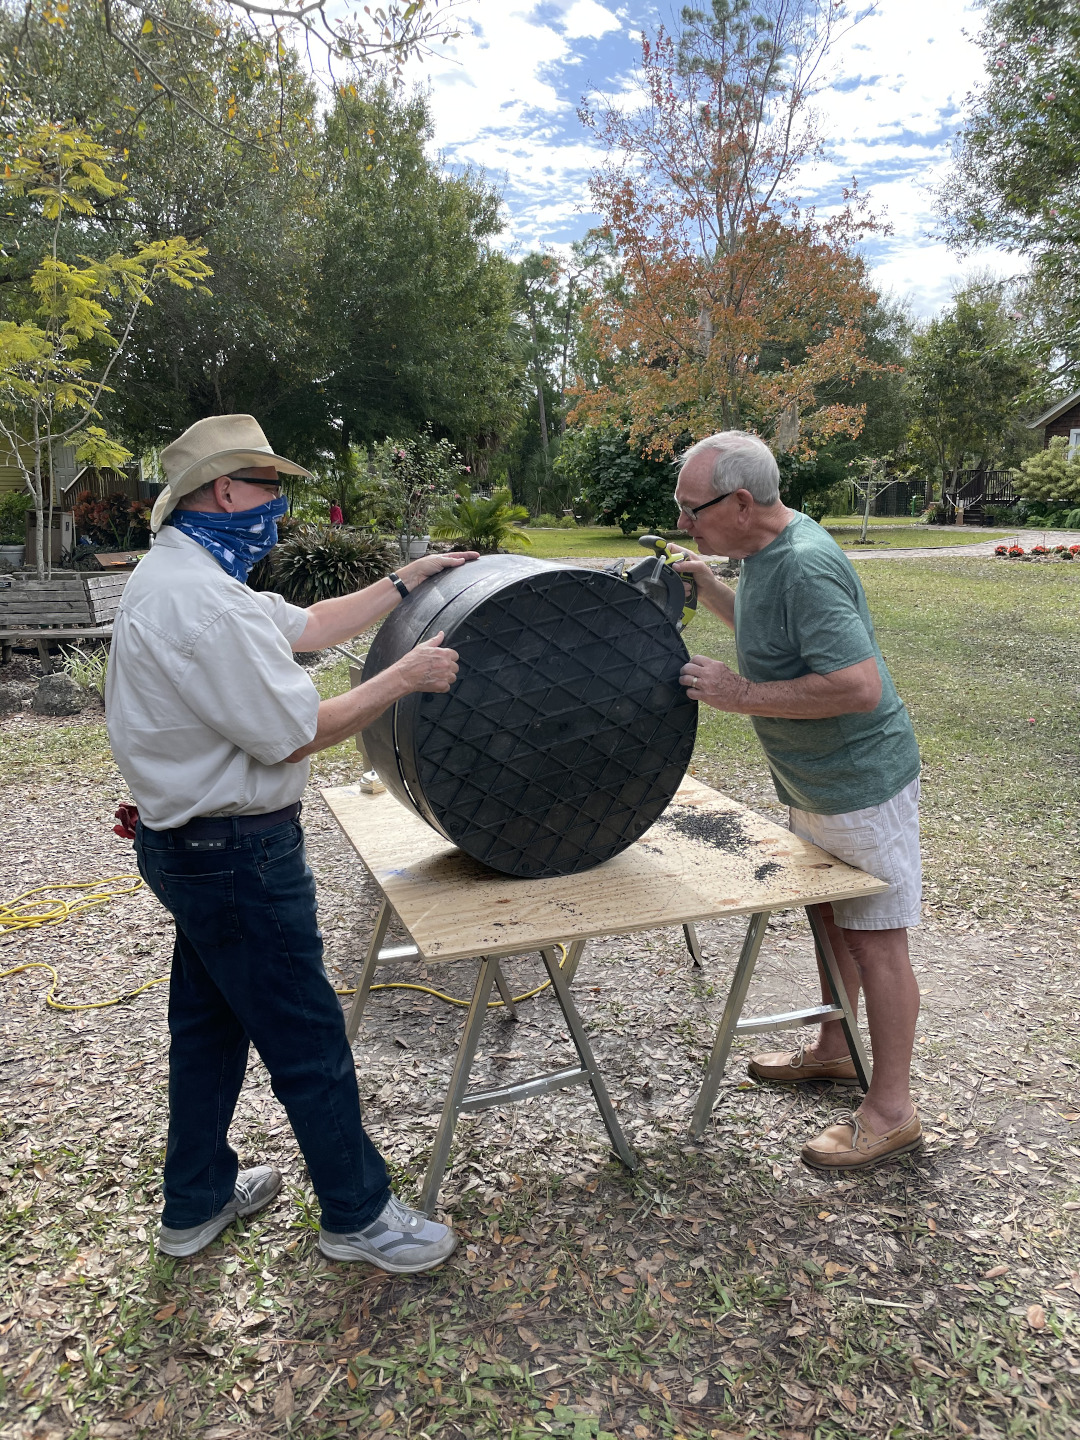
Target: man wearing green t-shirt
x=843, y=756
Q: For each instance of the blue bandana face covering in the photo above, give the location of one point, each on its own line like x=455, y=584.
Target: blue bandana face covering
x=237, y=541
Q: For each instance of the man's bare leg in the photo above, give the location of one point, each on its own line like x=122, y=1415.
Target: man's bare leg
x=879, y=963
x=831, y=1043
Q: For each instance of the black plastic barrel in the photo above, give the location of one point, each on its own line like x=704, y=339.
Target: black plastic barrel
x=566, y=733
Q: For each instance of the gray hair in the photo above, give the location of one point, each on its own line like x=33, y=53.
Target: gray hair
x=742, y=462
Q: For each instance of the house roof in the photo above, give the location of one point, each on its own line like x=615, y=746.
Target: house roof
x=1055, y=410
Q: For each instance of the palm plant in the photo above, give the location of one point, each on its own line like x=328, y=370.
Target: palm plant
x=481, y=524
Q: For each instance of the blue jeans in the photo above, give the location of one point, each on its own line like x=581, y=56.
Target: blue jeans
x=247, y=966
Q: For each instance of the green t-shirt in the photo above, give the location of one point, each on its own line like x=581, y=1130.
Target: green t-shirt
x=800, y=609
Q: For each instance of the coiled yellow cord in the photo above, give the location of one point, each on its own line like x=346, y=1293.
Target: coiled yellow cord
x=15, y=915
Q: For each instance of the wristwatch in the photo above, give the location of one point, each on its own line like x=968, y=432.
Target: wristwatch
x=398, y=584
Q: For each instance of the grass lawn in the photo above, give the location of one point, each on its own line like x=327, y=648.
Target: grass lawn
x=595, y=541
x=587, y=541
x=925, y=537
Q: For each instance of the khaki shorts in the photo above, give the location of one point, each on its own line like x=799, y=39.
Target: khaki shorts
x=884, y=841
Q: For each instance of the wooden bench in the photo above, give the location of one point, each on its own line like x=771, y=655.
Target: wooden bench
x=70, y=606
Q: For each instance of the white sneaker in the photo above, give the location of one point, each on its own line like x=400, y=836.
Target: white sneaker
x=254, y=1189
x=399, y=1240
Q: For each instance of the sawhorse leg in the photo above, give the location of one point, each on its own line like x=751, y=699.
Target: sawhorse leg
x=460, y=1102
x=561, y=985
x=740, y=984
x=376, y=955
x=444, y=1136
x=693, y=944
x=731, y=1025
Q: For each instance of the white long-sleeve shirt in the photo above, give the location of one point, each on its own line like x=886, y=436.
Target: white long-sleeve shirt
x=203, y=699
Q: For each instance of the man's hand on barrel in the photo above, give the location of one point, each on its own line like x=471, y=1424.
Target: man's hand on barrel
x=711, y=682
x=429, y=666
x=417, y=571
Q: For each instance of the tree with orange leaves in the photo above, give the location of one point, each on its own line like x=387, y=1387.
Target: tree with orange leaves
x=734, y=307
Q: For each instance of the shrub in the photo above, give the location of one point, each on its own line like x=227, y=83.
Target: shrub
x=319, y=563
x=554, y=522
x=1071, y=521
x=817, y=505
x=480, y=524
x=1049, y=475
x=13, y=508
x=623, y=487
x=1000, y=515
x=117, y=522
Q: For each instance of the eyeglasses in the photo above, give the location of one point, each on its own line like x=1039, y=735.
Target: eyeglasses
x=697, y=509
x=274, y=485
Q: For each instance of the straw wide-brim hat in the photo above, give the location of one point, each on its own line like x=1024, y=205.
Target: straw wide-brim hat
x=215, y=446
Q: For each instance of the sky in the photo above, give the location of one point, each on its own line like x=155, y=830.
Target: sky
x=505, y=95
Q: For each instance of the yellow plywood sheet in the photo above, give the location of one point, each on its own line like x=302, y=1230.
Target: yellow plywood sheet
x=705, y=857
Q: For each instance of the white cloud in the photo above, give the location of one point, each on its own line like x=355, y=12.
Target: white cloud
x=585, y=18
x=900, y=79
x=505, y=98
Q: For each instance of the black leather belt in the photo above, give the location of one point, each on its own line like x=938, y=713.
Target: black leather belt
x=226, y=827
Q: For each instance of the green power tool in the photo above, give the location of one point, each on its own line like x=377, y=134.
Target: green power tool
x=675, y=594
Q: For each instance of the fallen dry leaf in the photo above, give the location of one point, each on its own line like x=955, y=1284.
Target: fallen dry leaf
x=284, y=1403
x=1036, y=1317
x=797, y=1391
x=995, y=1272
x=698, y=1391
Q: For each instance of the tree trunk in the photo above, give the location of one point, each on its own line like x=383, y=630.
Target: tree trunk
x=538, y=371
x=866, y=510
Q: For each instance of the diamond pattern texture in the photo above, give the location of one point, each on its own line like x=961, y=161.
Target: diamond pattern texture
x=567, y=732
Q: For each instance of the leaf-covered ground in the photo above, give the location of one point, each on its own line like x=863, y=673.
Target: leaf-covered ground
x=723, y=1289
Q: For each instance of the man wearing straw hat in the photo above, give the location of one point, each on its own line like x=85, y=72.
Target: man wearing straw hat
x=211, y=722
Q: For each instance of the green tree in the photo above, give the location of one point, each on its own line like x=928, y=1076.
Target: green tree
x=254, y=207
x=148, y=40
x=414, y=303
x=967, y=379
x=52, y=376
x=1016, y=180
x=622, y=486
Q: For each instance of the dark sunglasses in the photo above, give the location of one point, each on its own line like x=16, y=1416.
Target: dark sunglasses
x=697, y=509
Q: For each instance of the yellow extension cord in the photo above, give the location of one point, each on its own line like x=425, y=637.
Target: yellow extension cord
x=15, y=915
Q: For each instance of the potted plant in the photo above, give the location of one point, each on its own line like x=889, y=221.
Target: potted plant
x=415, y=476
x=13, y=508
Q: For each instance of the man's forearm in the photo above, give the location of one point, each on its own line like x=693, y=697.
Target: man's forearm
x=719, y=598
x=346, y=715
x=810, y=697
x=330, y=622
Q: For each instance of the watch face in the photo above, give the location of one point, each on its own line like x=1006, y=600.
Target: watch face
x=566, y=733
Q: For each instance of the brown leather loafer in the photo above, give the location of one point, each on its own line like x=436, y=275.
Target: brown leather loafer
x=789, y=1068
x=849, y=1145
